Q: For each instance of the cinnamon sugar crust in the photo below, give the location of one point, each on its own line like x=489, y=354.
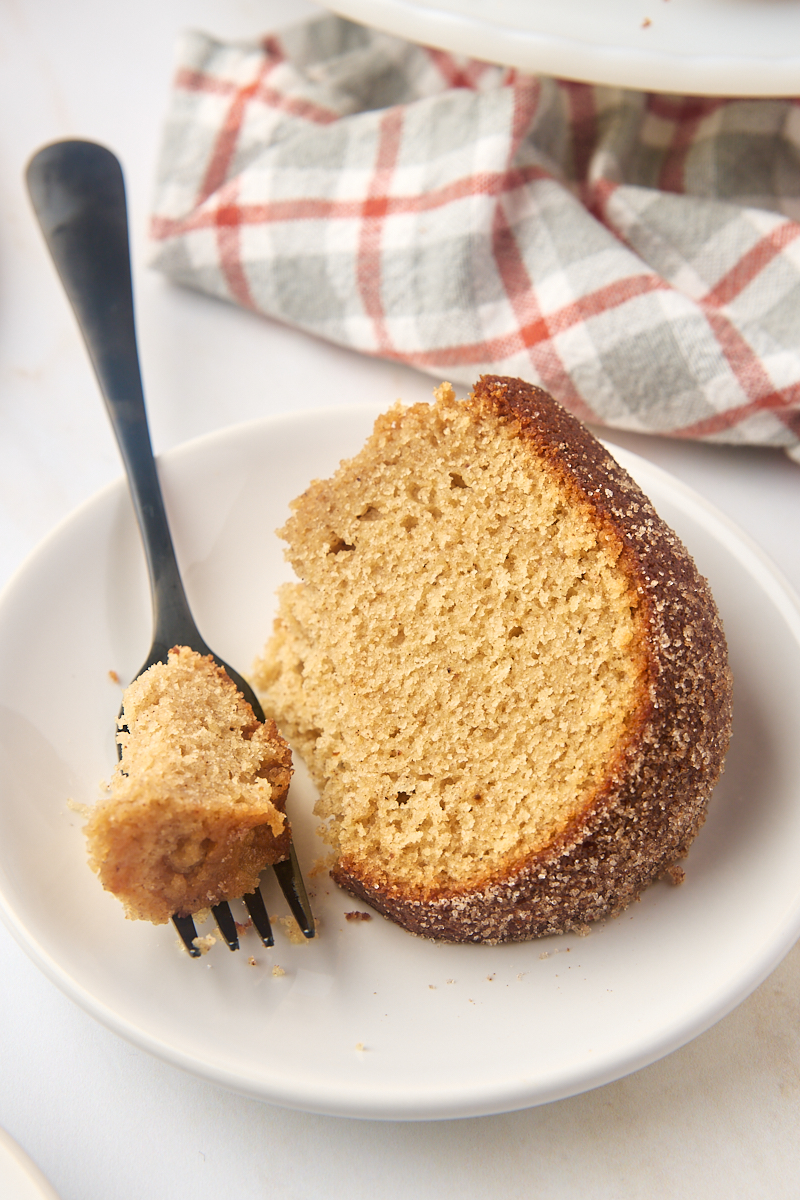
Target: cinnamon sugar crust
x=505, y=673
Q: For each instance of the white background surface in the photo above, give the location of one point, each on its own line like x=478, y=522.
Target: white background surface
x=102, y=1119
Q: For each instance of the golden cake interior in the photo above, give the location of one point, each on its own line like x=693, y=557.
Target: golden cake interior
x=193, y=812
x=461, y=660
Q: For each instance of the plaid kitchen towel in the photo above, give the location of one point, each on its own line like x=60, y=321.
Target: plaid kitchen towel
x=638, y=255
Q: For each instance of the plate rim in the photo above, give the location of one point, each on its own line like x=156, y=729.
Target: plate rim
x=700, y=74
x=25, y=1170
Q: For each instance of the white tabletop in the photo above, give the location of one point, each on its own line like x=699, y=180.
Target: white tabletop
x=102, y=1119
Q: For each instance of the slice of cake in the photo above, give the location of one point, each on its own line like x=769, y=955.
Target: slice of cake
x=504, y=671
x=194, y=810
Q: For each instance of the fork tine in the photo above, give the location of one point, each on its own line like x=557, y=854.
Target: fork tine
x=227, y=926
x=293, y=888
x=188, y=933
x=254, y=903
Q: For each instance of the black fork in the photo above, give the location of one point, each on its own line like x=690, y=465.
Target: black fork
x=78, y=194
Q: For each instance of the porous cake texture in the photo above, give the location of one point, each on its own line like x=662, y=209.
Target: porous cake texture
x=194, y=811
x=504, y=671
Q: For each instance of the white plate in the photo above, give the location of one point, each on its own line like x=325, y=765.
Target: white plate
x=368, y=1021
x=705, y=47
x=20, y=1179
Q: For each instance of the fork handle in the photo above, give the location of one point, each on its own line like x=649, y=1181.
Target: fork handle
x=78, y=195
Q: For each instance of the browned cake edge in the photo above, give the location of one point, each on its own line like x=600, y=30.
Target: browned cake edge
x=655, y=799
